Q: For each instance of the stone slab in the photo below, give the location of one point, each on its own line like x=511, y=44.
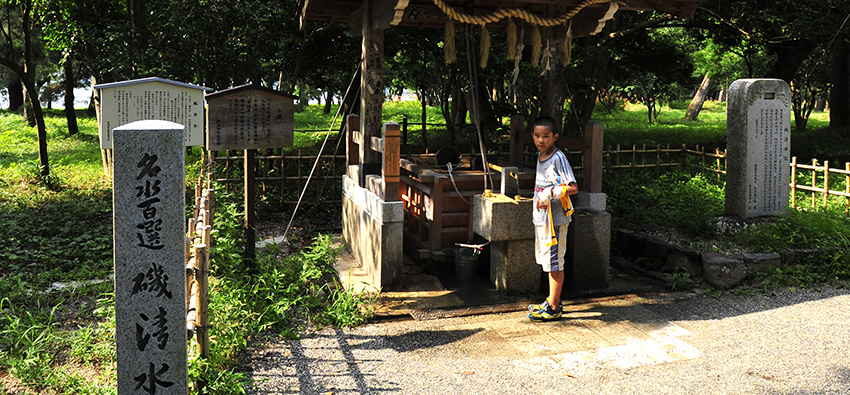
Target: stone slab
x=502, y=219
x=512, y=267
x=588, y=250
x=595, y=200
x=758, y=129
x=382, y=211
x=373, y=231
x=149, y=223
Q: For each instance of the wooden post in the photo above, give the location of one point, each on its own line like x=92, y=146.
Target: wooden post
x=352, y=150
x=250, y=195
x=814, y=181
x=371, y=92
x=593, y=134
x=404, y=130
x=847, y=188
x=793, y=182
x=391, y=161
x=825, y=182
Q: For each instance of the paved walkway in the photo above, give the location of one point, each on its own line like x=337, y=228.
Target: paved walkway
x=791, y=342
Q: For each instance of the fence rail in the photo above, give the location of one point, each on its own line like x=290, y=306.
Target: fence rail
x=288, y=172
x=198, y=243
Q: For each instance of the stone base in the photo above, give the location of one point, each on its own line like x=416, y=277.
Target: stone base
x=512, y=267
x=372, y=230
x=588, y=250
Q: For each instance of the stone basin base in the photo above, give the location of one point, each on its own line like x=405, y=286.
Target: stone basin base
x=507, y=225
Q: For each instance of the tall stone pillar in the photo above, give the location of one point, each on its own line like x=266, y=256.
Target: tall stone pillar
x=758, y=130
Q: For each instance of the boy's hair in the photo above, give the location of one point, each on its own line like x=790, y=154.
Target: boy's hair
x=547, y=122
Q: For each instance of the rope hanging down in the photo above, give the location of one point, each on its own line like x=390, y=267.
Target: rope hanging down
x=498, y=15
x=321, y=149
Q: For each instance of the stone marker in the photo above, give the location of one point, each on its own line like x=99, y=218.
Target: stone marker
x=151, y=98
x=149, y=223
x=758, y=130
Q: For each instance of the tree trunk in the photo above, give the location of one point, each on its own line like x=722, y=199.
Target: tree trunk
x=583, y=100
x=820, y=102
x=70, y=114
x=447, y=105
x=699, y=98
x=16, y=94
x=839, y=96
x=421, y=94
x=38, y=117
x=459, y=107
x=329, y=97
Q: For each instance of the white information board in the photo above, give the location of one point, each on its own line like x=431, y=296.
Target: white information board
x=152, y=99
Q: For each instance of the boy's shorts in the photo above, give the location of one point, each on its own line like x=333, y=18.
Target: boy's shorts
x=551, y=258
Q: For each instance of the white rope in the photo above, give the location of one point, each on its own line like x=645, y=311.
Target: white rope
x=473, y=76
x=321, y=149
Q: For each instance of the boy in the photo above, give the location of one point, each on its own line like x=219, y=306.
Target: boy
x=553, y=185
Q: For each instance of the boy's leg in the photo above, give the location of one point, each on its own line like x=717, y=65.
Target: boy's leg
x=556, y=277
x=556, y=283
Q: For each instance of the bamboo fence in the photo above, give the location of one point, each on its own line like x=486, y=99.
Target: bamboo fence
x=198, y=242
x=279, y=171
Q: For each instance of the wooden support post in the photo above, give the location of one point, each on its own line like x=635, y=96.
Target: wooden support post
x=391, y=160
x=847, y=188
x=814, y=182
x=352, y=150
x=794, y=182
x=404, y=130
x=250, y=195
x=371, y=92
x=593, y=134
x=825, y=182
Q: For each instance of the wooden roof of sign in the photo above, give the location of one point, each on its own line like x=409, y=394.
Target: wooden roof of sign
x=586, y=16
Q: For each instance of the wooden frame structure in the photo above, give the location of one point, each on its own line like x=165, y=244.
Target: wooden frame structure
x=372, y=207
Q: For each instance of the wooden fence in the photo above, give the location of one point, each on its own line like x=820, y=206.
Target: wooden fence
x=283, y=174
x=278, y=171
x=820, y=181
x=198, y=242
x=659, y=158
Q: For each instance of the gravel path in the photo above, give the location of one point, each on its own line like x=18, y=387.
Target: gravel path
x=794, y=342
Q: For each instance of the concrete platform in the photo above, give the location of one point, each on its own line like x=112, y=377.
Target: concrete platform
x=434, y=291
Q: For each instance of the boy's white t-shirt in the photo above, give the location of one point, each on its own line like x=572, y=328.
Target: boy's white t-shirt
x=552, y=172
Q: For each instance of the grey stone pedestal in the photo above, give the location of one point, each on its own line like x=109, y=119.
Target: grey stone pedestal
x=588, y=250
x=507, y=225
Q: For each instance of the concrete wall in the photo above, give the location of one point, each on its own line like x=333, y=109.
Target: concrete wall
x=372, y=229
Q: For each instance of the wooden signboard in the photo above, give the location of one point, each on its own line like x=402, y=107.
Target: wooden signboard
x=152, y=99
x=249, y=117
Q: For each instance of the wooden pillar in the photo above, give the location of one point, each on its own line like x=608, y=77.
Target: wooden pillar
x=391, y=160
x=371, y=92
x=352, y=129
x=593, y=134
x=250, y=189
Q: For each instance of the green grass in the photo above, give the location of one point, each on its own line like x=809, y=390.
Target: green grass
x=59, y=230
x=628, y=126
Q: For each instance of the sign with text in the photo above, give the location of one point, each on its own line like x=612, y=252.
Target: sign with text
x=249, y=117
x=149, y=229
x=758, y=130
x=152, y=98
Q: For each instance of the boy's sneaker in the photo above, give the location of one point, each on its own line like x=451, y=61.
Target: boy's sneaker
x=547, y=314
x=538, y=307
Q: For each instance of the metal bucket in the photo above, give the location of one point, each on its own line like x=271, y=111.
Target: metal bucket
x=466, y=263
